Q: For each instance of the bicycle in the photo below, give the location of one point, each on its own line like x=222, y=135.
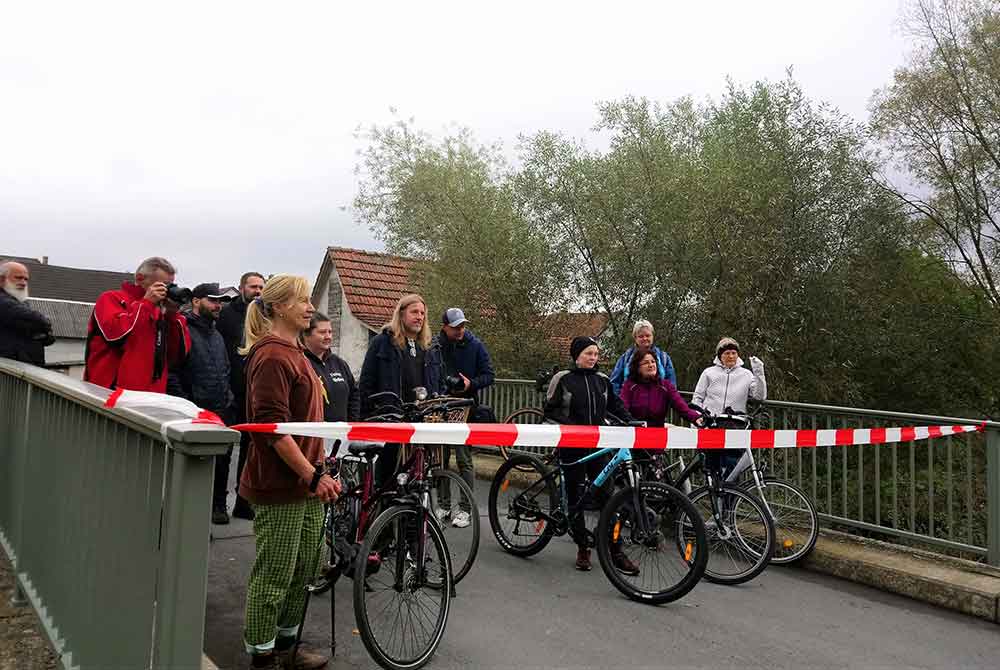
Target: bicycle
x=740, y=530
x=388, y=540
x=644, y=520
x=796, y=522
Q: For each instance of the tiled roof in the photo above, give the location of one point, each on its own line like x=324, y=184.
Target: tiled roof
x=63, y=283
x=373, y=282
x=562, y=327
x=69, y=319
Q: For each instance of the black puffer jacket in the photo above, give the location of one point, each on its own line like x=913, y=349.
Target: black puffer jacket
x=23, y=331
x=583, y=397
x=230, y=324
x=383, y=370
x=203, y=378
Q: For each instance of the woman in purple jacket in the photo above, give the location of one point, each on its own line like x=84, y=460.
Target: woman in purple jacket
x=648, y=397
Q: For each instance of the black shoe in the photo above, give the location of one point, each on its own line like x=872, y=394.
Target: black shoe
x=219, y=516
x=242, y=510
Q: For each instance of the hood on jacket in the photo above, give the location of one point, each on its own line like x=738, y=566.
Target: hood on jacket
x=717, y=361
x=272, y=339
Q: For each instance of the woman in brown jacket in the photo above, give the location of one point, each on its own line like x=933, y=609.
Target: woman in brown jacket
x=281, y=478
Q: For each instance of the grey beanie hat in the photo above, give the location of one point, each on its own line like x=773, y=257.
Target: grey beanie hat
x=726, y=343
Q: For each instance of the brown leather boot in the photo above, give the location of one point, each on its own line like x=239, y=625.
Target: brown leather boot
x=304, y=659
x=583, y=559
x=270, y=662
x=624, y=564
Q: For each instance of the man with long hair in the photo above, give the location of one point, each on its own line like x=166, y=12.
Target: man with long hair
x=400, y=359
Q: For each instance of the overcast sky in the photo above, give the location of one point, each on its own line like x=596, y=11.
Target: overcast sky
x=221, y=134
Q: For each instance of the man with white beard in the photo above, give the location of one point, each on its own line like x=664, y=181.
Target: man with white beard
x=23, y=332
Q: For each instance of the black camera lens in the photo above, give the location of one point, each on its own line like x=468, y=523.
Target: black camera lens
x=454, y=384
x=177, y=294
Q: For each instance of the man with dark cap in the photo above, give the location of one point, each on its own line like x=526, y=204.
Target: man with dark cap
x=203, y=376
x=463, y=357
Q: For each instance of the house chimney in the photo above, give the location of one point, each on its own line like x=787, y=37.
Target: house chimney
x=45, y=260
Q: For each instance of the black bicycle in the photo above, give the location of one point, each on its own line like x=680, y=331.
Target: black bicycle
x=652, y=524
x=388, y=540
x=740, y=529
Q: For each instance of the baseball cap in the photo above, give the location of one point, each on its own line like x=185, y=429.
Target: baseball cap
x=212, y=290
x=454, y=317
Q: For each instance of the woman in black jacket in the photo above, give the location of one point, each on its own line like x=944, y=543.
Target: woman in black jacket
x=582, y=396
x=341, y=400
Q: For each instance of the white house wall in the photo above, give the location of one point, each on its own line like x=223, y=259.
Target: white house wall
x=353, y=340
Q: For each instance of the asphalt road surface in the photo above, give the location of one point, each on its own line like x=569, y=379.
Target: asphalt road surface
x=541, y=613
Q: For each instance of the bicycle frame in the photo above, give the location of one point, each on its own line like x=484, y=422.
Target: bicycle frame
x=622, y=458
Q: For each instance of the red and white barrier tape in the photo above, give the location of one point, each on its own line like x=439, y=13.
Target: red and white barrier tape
x=589, y=437
x=551, y=435
x=145, y=399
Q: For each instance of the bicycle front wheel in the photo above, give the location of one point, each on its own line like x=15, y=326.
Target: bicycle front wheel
x=667, y=554
x=401, y=603
x=796, y=523
x=740, y=534
x=452, y=498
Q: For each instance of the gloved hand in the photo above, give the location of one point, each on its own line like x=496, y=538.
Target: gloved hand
x=756, y=365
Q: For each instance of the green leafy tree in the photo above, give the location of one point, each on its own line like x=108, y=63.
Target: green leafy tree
x=450, y=205
x=940, y=120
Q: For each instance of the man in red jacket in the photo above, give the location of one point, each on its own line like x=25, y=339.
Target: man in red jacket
x=136, y=333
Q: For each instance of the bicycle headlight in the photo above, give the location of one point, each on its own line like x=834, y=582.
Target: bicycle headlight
x=402, y=478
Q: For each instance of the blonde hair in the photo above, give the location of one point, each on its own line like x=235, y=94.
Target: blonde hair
x=396, y=323
x=279, y=290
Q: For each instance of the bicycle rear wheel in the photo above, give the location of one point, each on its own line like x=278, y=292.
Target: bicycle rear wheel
x=740, y=540
x=671, y=556
x=520, y=499
x=402, y=607
x=796, y=523
x=463, y=542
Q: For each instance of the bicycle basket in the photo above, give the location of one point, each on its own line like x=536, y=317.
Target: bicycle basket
x=435, y=453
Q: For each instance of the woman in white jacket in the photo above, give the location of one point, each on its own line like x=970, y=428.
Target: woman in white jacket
x=727, y=384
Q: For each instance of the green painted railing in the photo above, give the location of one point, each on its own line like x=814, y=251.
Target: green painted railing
x=942, y=493
x=105, y=518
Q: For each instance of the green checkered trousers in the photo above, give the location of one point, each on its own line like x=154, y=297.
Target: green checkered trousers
x=288, y=540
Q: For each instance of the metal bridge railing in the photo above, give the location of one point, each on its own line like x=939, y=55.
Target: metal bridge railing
x=105, y=517
x=942, y=493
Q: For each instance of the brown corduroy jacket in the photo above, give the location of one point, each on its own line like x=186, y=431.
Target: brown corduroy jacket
x=281, y=387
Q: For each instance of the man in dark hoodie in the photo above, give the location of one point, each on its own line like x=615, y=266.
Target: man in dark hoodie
x=463, y=356
x=203, y=377
x=230, y=324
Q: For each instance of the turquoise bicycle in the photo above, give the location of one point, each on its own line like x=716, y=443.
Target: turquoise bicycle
x=652, y=523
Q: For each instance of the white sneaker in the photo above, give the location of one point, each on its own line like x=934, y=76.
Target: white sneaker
x=442, y=514
x=461, y=520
